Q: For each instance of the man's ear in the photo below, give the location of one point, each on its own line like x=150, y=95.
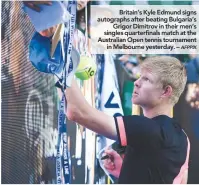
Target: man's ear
x=167, y=91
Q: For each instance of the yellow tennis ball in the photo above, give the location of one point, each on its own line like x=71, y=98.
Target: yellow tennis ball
x=86, y=68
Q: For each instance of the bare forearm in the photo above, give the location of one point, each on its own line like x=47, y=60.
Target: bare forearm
x=100, y=122
x=81, y=112
x=76, y=103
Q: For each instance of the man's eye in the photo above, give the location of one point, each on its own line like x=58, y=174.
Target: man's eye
x=146, y=79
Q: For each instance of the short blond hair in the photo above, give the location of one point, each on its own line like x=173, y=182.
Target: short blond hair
x=170, y=72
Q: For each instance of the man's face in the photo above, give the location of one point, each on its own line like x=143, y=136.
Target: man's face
x=148, y=90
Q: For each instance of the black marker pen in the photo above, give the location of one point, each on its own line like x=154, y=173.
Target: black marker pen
x=107, y=157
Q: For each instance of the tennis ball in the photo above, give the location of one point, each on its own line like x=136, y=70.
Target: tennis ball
x=86, y=68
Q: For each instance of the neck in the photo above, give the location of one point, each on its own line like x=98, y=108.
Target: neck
x=158, y=110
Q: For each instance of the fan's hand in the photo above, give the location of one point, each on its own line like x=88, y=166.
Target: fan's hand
x=34, y=5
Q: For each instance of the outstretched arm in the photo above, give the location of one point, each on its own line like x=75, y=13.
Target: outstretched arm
x=80, y=111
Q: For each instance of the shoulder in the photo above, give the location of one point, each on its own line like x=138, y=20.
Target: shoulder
x=168, y=124
x=171, y=131
x=138, y=126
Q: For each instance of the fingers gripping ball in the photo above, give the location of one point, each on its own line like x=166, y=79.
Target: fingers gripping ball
x=86, y=68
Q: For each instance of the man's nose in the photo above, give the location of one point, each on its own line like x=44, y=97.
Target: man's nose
x=137, y=83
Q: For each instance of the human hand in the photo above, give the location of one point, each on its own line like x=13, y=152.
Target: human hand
x=48, y=32
x=34, y=5
x=81, y=4
x=113, y=163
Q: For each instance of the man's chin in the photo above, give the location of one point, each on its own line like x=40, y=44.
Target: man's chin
x=135, y=102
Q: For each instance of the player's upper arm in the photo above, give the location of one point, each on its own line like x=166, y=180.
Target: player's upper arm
x=138, y=131
x=80, y=111
x=99, y=122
